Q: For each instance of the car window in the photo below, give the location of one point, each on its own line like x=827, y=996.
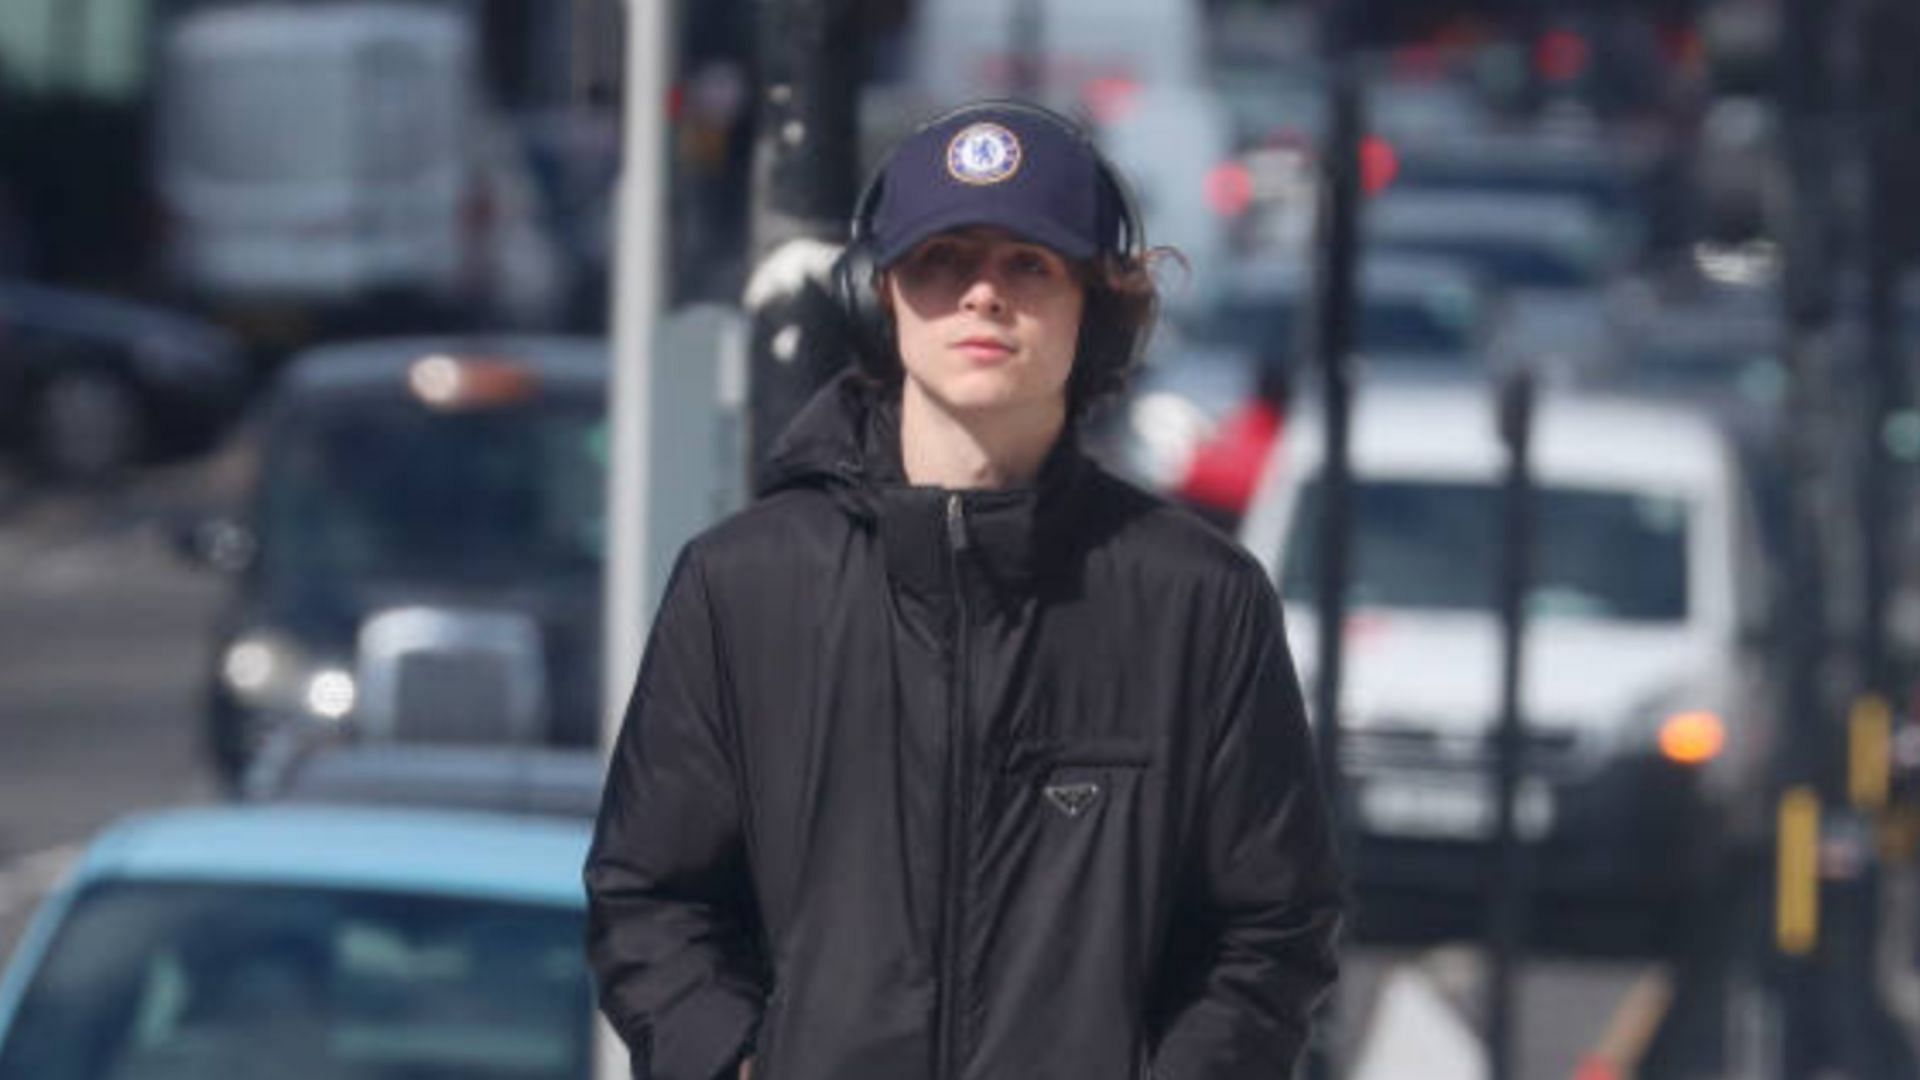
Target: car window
x=1755, y=377
x=1519, y=262
x=399, y=491
x=1437, y=547
x=171, y=982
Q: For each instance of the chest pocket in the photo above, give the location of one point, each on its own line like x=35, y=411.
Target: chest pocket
x=1076, y=778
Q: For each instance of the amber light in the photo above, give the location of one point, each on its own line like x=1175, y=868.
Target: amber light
x=1692, y=738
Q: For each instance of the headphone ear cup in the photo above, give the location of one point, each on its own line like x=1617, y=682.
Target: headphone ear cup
x=865, y=318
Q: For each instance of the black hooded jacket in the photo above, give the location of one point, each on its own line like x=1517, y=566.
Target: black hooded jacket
x=928, y=785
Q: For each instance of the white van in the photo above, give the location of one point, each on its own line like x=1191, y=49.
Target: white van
x=1648, y=722
x=316, y=153
x=964, y=49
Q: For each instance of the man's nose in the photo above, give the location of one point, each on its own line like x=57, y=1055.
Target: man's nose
x=984, y=295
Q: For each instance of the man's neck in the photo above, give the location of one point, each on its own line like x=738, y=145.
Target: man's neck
x=982, y=451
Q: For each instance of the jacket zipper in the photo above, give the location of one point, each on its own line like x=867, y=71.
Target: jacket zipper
x=951, y=900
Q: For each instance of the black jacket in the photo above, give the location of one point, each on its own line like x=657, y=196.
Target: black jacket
x=919, y=785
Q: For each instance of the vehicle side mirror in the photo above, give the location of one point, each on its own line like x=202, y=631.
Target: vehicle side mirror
x=221, y=544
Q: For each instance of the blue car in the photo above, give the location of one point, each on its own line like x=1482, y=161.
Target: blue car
x=307, y=942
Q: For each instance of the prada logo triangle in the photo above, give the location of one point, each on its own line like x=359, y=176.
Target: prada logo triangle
x=1075, y=799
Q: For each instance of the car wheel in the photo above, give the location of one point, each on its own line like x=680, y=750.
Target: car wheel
x=86, y=424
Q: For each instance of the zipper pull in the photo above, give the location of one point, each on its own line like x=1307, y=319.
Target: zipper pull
x=956, y=524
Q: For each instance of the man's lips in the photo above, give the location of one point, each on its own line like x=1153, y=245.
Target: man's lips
x=984, y=345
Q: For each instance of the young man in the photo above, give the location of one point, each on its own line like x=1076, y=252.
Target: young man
x=953, y=757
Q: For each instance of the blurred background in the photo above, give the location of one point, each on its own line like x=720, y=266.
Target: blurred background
x=1560, y=352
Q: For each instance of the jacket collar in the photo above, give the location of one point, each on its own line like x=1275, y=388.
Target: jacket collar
x=846, y=442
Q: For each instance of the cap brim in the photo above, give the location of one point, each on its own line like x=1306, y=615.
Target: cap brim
x=1035, y=228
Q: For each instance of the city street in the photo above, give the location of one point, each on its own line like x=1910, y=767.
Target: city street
x=1556, y=365
x=105, y=637
x=102, y=653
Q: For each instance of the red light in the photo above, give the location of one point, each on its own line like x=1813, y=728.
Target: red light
x=1379, y=164
x=1109, y=97
x=1229, y=188
x=1683, y=48
x=1561, y=56
x=1597, y=1068
x=1423, y=60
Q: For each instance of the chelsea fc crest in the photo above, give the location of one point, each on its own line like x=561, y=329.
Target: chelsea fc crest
x=983, y=154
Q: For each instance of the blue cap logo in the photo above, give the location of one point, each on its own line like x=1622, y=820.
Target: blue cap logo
x=983, y=154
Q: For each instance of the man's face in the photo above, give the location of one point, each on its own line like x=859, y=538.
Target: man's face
x=986, y=321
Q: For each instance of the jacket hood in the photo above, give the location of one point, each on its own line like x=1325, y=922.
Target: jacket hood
x=845, y=441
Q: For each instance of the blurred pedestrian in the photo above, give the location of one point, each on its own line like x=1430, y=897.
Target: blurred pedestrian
x=955, y=756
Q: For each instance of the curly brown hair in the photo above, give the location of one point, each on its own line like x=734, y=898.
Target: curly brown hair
x=1122, y=305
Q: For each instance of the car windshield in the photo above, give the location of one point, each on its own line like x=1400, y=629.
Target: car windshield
x=395, y=490
x=158, y=981
x=1444, y=323
x=1434, y=546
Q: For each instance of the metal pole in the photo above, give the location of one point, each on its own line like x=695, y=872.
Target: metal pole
x=1802, y=769
x=806, y=174
x=1886, y=385
x=639, y=291
x=1507, y=911
x=1873, y=1043
x=1337, y=255
x=638, y=296
x=1025, y=49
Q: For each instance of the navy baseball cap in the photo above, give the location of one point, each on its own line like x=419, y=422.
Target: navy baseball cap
x=1014, y=166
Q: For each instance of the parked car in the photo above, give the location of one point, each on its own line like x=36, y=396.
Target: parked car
x=1648, y=721
x=1713, y=346
x=420, y=558
x=1288, y=103
x=1626, y=180
x=91, y=384
x=1410, y=307
x=1553, y=257
x=1517, y=241
x=309, y=943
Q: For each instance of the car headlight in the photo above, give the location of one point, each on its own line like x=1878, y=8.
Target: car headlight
x=330, y=694
x=251, y=664
x=268, y=671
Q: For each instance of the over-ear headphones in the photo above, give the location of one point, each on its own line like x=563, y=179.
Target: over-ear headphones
x=1108, y=343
